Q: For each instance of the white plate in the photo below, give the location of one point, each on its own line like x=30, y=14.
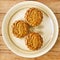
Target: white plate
x=48, y=29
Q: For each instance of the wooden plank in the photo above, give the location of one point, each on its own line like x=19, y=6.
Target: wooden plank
x=54, y=5
x=55, y=48
x=1, y=19
x=53, y=54
x=5, y=5
x=58, y=18
x=6, y=54
x=2, y=16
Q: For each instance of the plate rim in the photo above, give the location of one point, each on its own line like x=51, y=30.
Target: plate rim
x=5, y=38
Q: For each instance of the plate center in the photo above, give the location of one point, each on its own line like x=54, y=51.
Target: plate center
x=45, y=29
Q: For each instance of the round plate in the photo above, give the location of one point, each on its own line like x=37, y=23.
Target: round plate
x=48, y=29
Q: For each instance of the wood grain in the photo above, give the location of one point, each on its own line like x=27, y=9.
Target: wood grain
x=5, y=5
x=3, y=14
x=6, y=54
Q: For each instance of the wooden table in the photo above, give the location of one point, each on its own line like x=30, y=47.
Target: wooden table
x=6, y=54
